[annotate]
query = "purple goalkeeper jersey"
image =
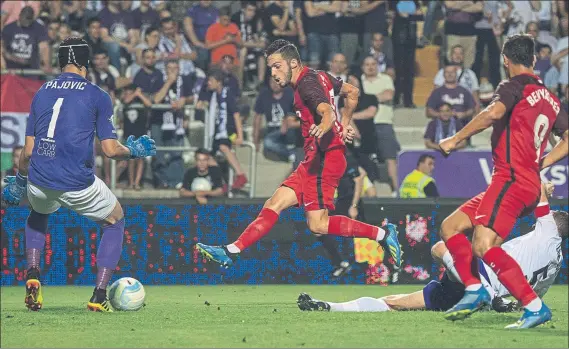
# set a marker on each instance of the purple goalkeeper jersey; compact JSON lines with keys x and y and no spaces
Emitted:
{"x":65,"y":116}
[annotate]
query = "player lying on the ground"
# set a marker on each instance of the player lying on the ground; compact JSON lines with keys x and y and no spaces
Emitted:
{"x":314,"y":182}
{"x":522,"y":114}
{"x":538,"y":253}
{"x":57,"y":167}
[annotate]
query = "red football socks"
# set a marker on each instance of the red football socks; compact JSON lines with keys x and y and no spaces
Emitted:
{"x":257,"y":229}
{"x":347,"y":227}
{"x":461,"y":251}
{"x":510,"y":274}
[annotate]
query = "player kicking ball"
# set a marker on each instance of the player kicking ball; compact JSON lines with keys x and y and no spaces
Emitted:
{"x":314,"y":182}
{"x":57,"y":167}
{"x":522,"y":113}
{"x":538,"y":253}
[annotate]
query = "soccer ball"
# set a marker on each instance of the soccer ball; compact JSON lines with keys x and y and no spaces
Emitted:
{"x":127,"y":294}
{"x":201,"y":184}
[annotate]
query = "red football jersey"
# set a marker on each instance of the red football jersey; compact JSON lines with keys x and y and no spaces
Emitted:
{"x":520,"y":137}
{"x":312,"y":88}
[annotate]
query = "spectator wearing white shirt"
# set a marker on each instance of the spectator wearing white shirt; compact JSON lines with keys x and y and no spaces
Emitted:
{"x":465,"y":77}
{"x":523,"y":12}
{"x":174,"y":45}
{"x":488,"y":30}
{"x":557,"y":74}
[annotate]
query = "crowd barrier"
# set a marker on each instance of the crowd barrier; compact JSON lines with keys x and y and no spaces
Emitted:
{"x":160,"y":235}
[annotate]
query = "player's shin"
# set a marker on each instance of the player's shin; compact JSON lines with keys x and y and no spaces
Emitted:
{"x":255,"y":231}
{"x":461,"y":250}
{"x":35,"y":230}
{"x":109,"y":253}
{"x":347,"y":227}
{"x":511,"y":276}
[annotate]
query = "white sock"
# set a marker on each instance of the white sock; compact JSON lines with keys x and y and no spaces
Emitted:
{"x":380,"y":235}
{"x":534,"y":305}
{"x":232,"y":248}
{"x":449,"y":265}
{"x":473,"y":287}
{"x":364,"y":304}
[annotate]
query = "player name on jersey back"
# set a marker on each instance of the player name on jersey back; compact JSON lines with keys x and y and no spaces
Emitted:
{"x":65,"y":85}
{"x":540,"y":94}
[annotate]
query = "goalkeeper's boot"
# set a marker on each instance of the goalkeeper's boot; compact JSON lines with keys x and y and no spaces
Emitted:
{"x":532,"y":319}
{"x":99,"y":302}
{"x":306,"y":303}
{"x":471,"y":302}
{"x":391,"y":244}
{"x":218,"y":254}
{"x":34,"y":298}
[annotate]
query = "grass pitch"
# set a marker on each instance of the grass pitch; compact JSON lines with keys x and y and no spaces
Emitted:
{"x":259,"y":316}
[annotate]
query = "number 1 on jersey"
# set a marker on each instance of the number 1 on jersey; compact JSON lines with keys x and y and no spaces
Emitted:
{"x":54,"y":116}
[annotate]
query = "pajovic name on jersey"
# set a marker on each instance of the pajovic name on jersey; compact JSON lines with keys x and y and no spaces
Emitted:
{"x":73,"y":85}
{"x":65,"y":116}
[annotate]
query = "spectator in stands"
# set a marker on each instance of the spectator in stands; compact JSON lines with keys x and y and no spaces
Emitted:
{"x":522,"y":12}
{"x":543,"y":62}
{"x":168,"y":130}
{"x":251,"y":58}
{"x":321,"y":31}
{"x":350,"y":23}
{"x":223,"y":37}
{"x":446,"y":125}
{"x":25,"y":43}
{"x":540,"y":37}
{"x":274,"y":103}
{"x":228,"y":129}
{"x":173,"y":46}
{"x":78,"y":15}
{"x":556,"y":77}
{"x":11,"y":10}
{"x":93,"y":38}
{"x":16,"y":152}
{"x":145,"y":17}
{"x":278,"y":22}
{"x":461,"y":100}
{"x":339,"y":69}
{"x":102,"y":74}
{"x":365,"y":148}
{"x":488,"y":30}
{"x":466,"y":77}
{"x":461,"y":17}
{"x":404,"y":45}
{"x":227,"y":67}
{"x":375,"y":15}
{"x":135,"y":123}
{"x":381,"y":86}
{"x":118,"y":32}
{"x":205,"y":170}
{"x":300,"y":19}
{"x":151,"y":40}
{"x":196,"y":23}
{"x":385,"y":64}
{"x":420,"y":183}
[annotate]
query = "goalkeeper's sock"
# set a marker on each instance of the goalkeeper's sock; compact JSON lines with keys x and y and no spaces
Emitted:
{"x":255,"y":231}
{"x":35,"y":230}
{"x":109,"y":252}
{"x":364,"y":304}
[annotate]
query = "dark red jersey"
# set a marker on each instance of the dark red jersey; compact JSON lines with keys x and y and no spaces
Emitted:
{"x":520,"y":137}
{"x":312,"y":88}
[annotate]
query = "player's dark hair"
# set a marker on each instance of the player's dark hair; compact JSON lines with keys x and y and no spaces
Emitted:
{"x":74,"y":50}
{"x":285,"y":48}
{"x":150,"y":30}
{"x":542,"y":46}
{"x":202,"y":151}
{"x":93,"y":20}
{"x":424,"y":158}
{"x":561,"y":220}
{"x":519,"y":49}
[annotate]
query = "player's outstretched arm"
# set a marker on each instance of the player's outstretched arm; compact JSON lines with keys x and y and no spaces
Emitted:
{"x":495,"y":111}
{"x":327,"y":119}
{"x":135,"y":148}
{"x":560,"y":151}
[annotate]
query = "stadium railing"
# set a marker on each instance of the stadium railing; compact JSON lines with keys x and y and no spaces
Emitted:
{"x":207,"y":142}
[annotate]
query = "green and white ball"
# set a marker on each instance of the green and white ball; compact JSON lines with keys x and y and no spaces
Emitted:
{"x":127,"y":294}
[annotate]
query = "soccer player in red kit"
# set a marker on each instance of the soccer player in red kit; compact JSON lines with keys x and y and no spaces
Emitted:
{"x":523,"y":113}
{"x":314,"y":182}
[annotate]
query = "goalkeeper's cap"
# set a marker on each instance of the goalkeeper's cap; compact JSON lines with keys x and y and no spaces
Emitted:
{"x":74,"y":50}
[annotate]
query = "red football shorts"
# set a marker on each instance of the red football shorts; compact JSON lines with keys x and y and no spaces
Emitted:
{"x":501,"y":205}
{"x":316,"y":179}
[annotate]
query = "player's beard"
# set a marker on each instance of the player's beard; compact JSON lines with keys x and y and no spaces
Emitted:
{"x":288,"y":76}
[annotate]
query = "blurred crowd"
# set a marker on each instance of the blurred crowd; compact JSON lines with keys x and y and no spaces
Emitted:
{"x":169,"y":55}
